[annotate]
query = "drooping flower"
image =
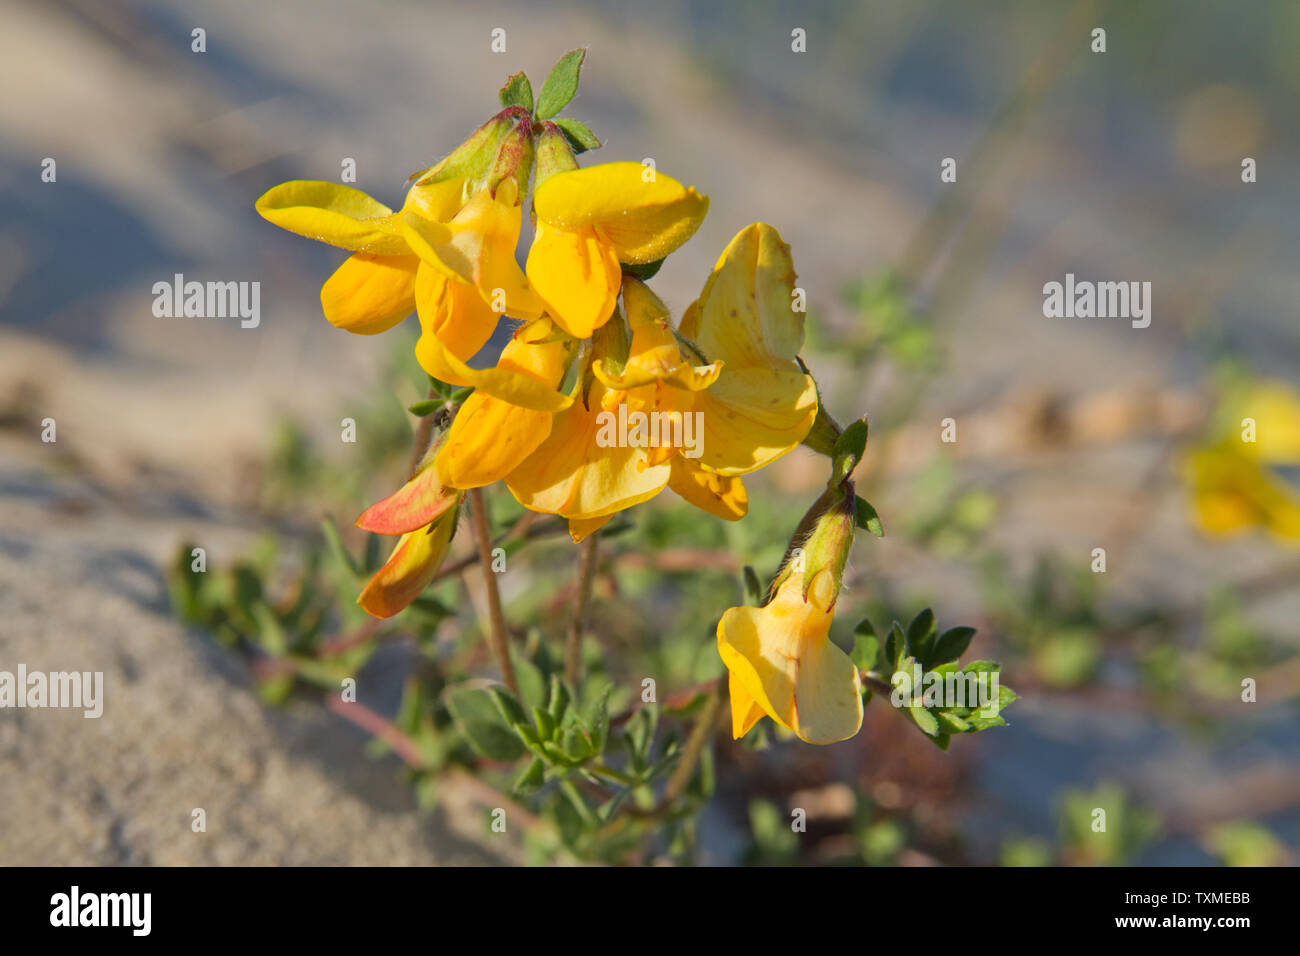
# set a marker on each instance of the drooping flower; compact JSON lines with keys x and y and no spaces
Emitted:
{"x":424,"y":513}
{"x":780,"y":659}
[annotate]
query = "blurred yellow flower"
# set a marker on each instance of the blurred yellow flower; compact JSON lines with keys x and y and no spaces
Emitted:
{"x":1232,"y":485}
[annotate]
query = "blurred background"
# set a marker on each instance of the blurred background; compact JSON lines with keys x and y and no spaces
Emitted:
{"x":926,"y":304}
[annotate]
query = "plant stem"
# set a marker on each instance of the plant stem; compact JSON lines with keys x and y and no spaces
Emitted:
{"x":496,"y":620}
{"x":423,"y":432}
{"x":573,"y":641}
{"x":701,"y":732}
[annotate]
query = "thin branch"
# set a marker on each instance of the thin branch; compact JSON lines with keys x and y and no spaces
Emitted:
{"x":496,"y":619}
{"x":573,"y":641}
{"x":701,"y":733}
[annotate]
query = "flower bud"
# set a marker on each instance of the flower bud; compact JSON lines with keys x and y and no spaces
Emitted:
{"x":473,"y":158}
{"x":554,"y":154}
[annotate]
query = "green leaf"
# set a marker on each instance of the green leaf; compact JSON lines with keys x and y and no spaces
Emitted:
{"x":951,"y":645}
{"x":560,"y":698}
{"x":848,"y":449}
{"x":950,"y":723}
{"x":894,"y":646}
{"x":643,"y":272}
{"x":546,"y":725}
{"x":337,"y":549}
{"x":517,"y":91}
{"x":920,"y":635}
{"x":925,"y":720}
{"x":597,"y":720}
{"x":531,"y":681}
{"x":508,"y":706}
{"x":867,"y":519}
{"x":579,"y":134}
{"x":561,"y":84}
{"x":753,"y":587}
{"x":479,"y":720}
{"x":426,"y":407}
{"x":866,"y":652}
{"x":531,"y":780}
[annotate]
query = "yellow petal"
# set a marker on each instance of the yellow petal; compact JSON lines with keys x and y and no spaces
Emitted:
{"x":642,"y":213}
{"x":745,"y":712}
{"x":744,"y":316}
{"x":752,"y":416}
{"x":438,"y":202}
{"x":654,"y":353}
{"x":333,"y":213}
{"x":409,"y":569}
{"x":719,"y":495}
{"x":570,"y":474}
{"x":503,"y":382}
{"x":783,"y":658}
{"x":577,"y":275}
{"x":419,"y":502}
{"x":579,"y":528}
{"x":369,"y":293}
{"x":478,"y":246}
{"x":490,"y":437}
{"x":455,"y":313}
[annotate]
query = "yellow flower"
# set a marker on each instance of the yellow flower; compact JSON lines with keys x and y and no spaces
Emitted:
{"x":782,"y":664}
{"x":1233,"y":491}
{"x":1232,"y":485}
{"x":591,"y":220}
{"x":753,"y":413}
{"x":374,"y":289}
{"x":410,"y":568}
{"x":763,"y":404}
{"x":592,"y":464}
{"x":449,"y":252}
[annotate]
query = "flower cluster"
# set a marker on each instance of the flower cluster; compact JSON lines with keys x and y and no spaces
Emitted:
{"x":592,"y":347}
